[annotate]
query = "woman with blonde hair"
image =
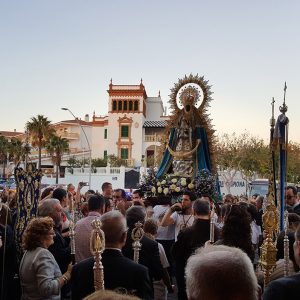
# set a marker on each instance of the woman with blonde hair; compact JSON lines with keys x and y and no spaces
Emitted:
{"x":40,"y":275}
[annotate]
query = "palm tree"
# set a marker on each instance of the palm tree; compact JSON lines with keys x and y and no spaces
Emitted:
{"x":56,"y":147}
{"x":3,"y":153}
{"x":17,"y":151}
{"x":40,"y":130}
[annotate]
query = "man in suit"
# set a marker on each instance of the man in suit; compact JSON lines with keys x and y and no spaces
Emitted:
{"x":120,"y":273}
{"x":190,"y":239}
{"x":149,"y":253}
{"x":286,"y":287}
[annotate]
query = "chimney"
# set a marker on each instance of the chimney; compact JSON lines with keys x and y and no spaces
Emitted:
{"x":86,"y":118}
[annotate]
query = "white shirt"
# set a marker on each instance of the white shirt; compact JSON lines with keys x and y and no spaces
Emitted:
{"x":181,"y":221}
{"x":167,"y":232}
{"x":255,"y":233}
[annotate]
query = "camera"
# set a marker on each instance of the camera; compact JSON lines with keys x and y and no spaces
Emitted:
{"x":83,"y":183}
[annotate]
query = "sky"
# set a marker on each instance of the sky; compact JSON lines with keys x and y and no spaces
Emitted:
{"x":63,"y":53}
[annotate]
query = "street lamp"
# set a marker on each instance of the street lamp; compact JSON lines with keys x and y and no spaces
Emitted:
{"x":87,"y":141}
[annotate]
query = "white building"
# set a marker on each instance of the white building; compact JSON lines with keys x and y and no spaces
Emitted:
{"x":131,"y":130}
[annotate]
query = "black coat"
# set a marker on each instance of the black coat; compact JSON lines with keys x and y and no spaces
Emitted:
{"x":188,"y":241}
{"x":61,"y":251}
{"x":119,"y":273}
{"x":148,"y":256}
{"x":283,"y":288}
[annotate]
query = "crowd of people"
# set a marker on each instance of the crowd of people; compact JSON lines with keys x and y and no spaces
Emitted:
{"x":191,"y":249}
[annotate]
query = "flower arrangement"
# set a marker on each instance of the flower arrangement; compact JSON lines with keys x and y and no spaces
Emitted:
{"x":204,"y":183}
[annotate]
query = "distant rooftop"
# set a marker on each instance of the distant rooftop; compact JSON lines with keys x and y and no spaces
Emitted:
{"x":10,"y":134}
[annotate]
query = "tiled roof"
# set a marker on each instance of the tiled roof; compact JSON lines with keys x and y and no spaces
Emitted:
{"x":155,"y":124}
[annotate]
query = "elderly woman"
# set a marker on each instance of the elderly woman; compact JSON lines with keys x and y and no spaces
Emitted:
{"x":40,"y":275}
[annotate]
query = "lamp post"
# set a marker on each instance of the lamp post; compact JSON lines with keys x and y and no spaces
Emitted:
{"x":87,"y":141}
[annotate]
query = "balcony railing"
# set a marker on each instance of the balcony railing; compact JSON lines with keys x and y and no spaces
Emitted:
{"x":153,"y":138}
{"x":69,"y":135}
{"x":129,"y":162}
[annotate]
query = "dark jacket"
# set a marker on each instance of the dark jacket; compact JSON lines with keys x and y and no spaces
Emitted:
{"x":119,"y":273}
{"x":61,"y":251}
{"x":296,"y":209}
{"x":191,"y":238}
{"x":188,"y":241}
{"x":283,"y":288}
{"x":148,"y":256}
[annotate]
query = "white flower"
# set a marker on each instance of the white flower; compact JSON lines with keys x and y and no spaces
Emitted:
{"x":183,"y":182}
{"x":166,"y":191}
{"x":163,"y":182}
{"x":172,"y":187}
{"x":158,"y":183}
{"x":159,"y":189}
{"x":177,"y":189}
{"x":174,"y":180}
{"x":153,"y":190}
{"x":190,"y":186}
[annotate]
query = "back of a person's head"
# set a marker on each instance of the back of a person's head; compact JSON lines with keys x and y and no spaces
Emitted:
{"x":109,"y":295}
{"x":236,"y":231}
{"x":201,"y":207}
{"x":114,"y":226}
{"x":252,"y":211}
{"x":96,"y":202}
{"x":46,"y":192}
{"x":294,"y":219}
{"x":135,"y":214}
{"x":150,"y":226}
{"x":220,"y":272}
{"x":47,"y":207}
{"x":59,"y":194}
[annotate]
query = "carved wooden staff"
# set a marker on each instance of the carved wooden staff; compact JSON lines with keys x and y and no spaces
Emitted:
{"x":97,"y":244}
{"x":136,"y":235}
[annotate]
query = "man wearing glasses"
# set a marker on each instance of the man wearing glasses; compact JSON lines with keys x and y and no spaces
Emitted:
{"x":291,"y":199}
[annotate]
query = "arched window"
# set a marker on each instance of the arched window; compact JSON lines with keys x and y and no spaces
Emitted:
{"x":136,"y":105}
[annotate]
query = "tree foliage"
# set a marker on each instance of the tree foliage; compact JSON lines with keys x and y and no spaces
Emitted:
{"x":251,"y":156}
{"x":4,"y":146}
{"x":40,"y":131}
{"x":57,"y":146}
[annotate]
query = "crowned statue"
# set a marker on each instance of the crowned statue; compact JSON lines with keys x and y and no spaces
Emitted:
{"x":190,"y":141}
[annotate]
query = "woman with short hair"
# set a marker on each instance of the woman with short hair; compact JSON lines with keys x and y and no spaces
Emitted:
{"x":40,"y":275}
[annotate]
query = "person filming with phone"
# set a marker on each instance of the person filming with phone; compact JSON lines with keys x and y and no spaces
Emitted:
{"x":180,"y":213}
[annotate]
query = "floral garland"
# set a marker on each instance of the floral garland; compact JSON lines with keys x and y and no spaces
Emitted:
{"x":169,"y":186}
